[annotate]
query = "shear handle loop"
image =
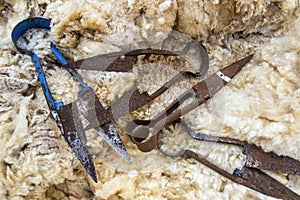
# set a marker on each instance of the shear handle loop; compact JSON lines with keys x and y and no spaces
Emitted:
{"x":18,"y":31}
{"x":26,"y":25}
{"x":42,"y":23}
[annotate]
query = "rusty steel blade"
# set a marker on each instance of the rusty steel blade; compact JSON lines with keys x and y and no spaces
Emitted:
{"x":202,"y":91}
{"x":257,"y":158}
{"x":73,"y":133}
{"x":251,"y":178}
{"x":88,"y":105}
{"x":116,"y":62}
{"x":130,"y":101}
{"x":263,"y":183}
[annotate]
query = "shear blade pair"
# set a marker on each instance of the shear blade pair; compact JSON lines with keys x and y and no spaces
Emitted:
{"x":67,"y":116}
{"x":140,"y":130}
{"x":249,"y":175}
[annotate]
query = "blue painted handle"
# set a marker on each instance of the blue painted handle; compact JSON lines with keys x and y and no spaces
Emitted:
{"x":38,"y":22}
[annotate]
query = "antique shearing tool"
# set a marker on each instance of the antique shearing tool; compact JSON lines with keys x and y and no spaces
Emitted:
{"x":249,"y":175}
{"x":202,"y":91}
{"x":67,"y":116}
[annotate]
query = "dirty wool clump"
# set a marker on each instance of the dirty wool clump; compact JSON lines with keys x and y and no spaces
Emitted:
{"x":260,"y":105}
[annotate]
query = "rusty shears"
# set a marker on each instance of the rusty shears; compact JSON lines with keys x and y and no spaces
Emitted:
{"x":251,"y":174}
{"x":67,"y":116}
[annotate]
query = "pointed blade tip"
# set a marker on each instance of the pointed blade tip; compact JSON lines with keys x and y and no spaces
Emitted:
{"x":250,"y":57}
{"x":115,"y":142}
{"x":245,"y":60}
{"x":94,"y":178}
{"x":90,"y":169}
{"x":92,"y":174}
{"x":122,"y":152}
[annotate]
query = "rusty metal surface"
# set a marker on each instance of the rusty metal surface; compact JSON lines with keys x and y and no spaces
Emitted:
{"x":234,"y":68}
{"x":250,"y":174}
{"x":117,"y":61}
{"x":89,"y":105}
{"x":257,"y":158}
{"x":99,"y":63}
{"x":263,"y":183}
{"x":123,"y":62}
{"x":251,"y":178}
{"x":75,"y":137}
{"x":203,"y":91}
{"x":130,"y":101}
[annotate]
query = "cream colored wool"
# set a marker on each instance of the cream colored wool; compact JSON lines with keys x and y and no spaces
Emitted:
{"x":260,"y":105}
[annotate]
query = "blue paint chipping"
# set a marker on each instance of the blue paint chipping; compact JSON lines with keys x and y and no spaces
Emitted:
{"x":41,"y":23}
{"x":80,"y":149}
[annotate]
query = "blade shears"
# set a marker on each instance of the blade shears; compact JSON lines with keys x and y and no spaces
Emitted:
{"x":67,"y":117}
{"x":180,"y":141}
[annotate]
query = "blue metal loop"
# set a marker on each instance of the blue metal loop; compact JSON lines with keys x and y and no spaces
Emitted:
{"x":41,"y":23}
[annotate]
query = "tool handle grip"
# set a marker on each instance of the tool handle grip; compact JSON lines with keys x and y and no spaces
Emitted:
{"x":41,"y":23}
{"x":251,"y":178}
